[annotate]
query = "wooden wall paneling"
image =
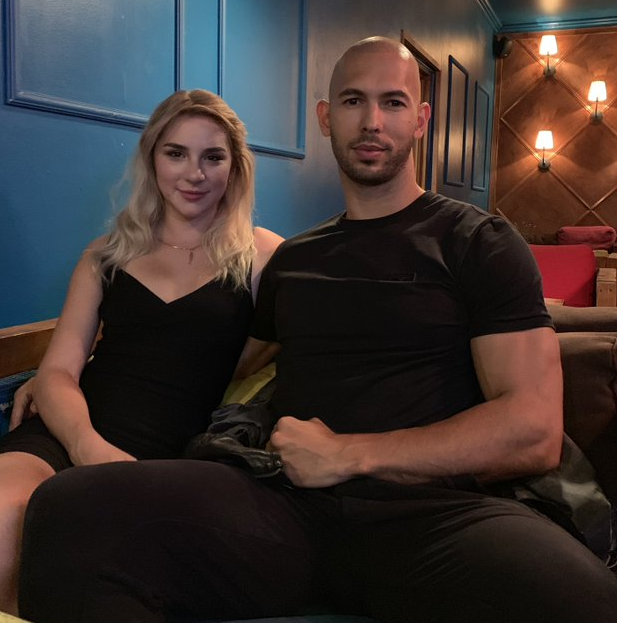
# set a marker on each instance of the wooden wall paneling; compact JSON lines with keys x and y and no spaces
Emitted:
{"x":456,"y":124}
{"x":580,"y":188}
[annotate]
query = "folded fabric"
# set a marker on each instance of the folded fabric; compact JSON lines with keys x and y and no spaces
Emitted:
{"x":208,"y":447}
{"x":571,"y":497}
{"x":595,"y":236}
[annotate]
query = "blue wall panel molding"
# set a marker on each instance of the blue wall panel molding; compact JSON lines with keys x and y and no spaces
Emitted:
{"x":490,"y":14}
{"x":95,"y":60}
{"x":479,"y":150}
{"x":456,"y":124}
{"x":562,"y":24}
{"x":199,"y":45}
{"x":263,"y":71}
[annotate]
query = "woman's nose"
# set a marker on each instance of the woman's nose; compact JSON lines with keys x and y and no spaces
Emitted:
{"x":195,"y":173}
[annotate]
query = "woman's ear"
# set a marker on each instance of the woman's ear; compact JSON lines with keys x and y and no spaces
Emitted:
{"x":323,"y":115}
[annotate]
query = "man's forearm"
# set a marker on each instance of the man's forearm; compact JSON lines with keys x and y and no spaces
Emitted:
{"x":492,"y":441}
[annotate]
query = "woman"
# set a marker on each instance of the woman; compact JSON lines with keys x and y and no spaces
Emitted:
{"x":172,"y":287}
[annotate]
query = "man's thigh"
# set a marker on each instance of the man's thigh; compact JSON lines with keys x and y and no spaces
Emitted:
{"x":468,"y":558}
{"x":153,"y":536}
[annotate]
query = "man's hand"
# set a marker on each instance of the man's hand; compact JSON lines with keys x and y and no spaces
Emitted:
{"x":91,"y":449}
{"x":312,"y":454}
{"x":23,"y":404}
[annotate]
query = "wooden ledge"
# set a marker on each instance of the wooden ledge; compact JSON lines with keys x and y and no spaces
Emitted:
{"x":22,"y":346}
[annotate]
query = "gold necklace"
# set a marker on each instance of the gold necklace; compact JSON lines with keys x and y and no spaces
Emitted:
{"x":180,"y":248}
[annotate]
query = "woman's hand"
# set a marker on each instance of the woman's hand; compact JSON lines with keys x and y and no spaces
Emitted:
{"x":24,"y":406}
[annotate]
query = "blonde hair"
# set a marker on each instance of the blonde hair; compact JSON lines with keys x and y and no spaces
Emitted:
{"x":228,"y":243}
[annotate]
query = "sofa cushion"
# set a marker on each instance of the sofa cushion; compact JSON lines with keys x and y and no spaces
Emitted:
{"x":568,"y":272}
{"x":596,"y":236}
{"x":583,"y":318}
{"x":589,"y":362}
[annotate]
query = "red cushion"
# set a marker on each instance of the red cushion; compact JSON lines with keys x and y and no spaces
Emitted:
{"x":568,"y":272}
{"x":596,"y":236}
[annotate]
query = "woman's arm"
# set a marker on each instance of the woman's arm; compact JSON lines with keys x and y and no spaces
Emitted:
{"x":266,"y":243}
{"x":56,"y":391}
{"x":256,"y":353}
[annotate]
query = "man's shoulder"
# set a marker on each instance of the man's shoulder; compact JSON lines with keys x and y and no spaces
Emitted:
{"x":457,"y":209}
{"x":330,"y":225}
{"x":454,"y":219}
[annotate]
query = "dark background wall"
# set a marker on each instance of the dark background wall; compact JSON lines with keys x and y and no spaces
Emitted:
{"x":79,"y":78}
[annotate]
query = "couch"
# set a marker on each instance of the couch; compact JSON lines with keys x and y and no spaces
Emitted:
{"x":588,"y":342}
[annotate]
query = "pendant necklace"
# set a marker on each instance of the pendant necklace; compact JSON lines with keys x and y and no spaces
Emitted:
{"x":177,"y":246}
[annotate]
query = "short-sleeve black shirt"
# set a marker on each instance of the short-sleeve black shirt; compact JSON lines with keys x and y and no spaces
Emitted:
{"x":375,"y":316}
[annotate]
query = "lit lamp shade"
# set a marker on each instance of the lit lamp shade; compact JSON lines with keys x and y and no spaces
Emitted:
{"x":597,"y":91}
{"x":544,"y":139}
{"x":548,"y":45}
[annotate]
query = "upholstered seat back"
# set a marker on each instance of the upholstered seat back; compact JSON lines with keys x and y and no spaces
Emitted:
{"x":568,"y":273}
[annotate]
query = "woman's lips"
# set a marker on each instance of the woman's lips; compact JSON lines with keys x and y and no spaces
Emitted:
{"x":192,"y":195}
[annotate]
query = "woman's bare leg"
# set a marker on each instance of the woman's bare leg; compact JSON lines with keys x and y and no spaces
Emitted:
{"x":20,"y":475}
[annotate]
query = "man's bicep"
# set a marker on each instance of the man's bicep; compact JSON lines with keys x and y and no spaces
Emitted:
{"x":519,"y":362}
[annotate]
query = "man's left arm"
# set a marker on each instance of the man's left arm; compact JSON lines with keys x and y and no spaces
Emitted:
{"x":516,"y":432}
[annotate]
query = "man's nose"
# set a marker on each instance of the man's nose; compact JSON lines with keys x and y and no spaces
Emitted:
{"x":372,"y":119}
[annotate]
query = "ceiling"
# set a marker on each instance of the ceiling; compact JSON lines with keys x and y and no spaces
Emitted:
{"x":526,"y":15}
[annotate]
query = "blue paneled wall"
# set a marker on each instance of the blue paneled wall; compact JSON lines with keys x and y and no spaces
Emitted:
{"x":79,"y":78}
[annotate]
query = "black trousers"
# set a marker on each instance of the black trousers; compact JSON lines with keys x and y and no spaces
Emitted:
{"x":148,"y":541}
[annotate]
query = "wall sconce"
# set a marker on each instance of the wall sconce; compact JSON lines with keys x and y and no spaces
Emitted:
{"x":597,"y":93}
{"x":544,"y":141}
{"x":548,"y":47}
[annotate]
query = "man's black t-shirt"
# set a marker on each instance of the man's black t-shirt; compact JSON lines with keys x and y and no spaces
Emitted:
{"x":375,"y":316}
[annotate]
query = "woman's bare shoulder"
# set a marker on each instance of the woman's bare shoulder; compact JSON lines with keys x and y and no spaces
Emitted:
{"x":266,"y":241}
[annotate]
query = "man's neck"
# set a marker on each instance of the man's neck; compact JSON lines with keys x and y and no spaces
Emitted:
{"x":367,"y":202}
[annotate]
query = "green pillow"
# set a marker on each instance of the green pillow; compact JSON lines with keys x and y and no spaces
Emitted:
{"x":7,"y":618}
{"x":242,"y":390}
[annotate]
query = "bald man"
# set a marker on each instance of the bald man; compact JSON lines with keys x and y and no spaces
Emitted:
{"x":418,"y":372}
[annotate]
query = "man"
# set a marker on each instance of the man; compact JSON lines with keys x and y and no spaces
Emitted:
{"x":418,"y":366}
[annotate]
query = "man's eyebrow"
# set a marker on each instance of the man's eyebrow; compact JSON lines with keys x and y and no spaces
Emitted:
{"x":395,"y":93}
{"x":350,"y":91}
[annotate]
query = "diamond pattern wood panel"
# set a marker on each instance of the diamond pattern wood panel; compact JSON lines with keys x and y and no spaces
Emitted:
{"x":580,"y":188}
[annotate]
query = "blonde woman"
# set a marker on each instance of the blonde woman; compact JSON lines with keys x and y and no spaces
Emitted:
{"x":172,"y":285}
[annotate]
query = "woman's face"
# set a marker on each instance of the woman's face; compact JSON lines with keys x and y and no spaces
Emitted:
{"x":192,"y":162}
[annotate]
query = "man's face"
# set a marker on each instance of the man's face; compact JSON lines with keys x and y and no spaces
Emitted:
{"x":373,"y":117}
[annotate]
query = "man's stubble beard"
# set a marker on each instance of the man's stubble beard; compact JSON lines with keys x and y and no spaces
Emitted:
{"x":362,"y":174}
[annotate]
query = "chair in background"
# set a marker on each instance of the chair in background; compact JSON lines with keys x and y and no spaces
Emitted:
{"x":570,"y":275}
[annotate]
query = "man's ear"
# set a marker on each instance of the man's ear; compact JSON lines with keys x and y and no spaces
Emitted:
{"x":323,"y":115}
{"x":424,"y":114}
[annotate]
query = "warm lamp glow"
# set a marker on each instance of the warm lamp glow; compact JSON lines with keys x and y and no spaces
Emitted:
{"x":544,"y":140}
{"x":548,"y":45}
{"x":597,"y":93}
